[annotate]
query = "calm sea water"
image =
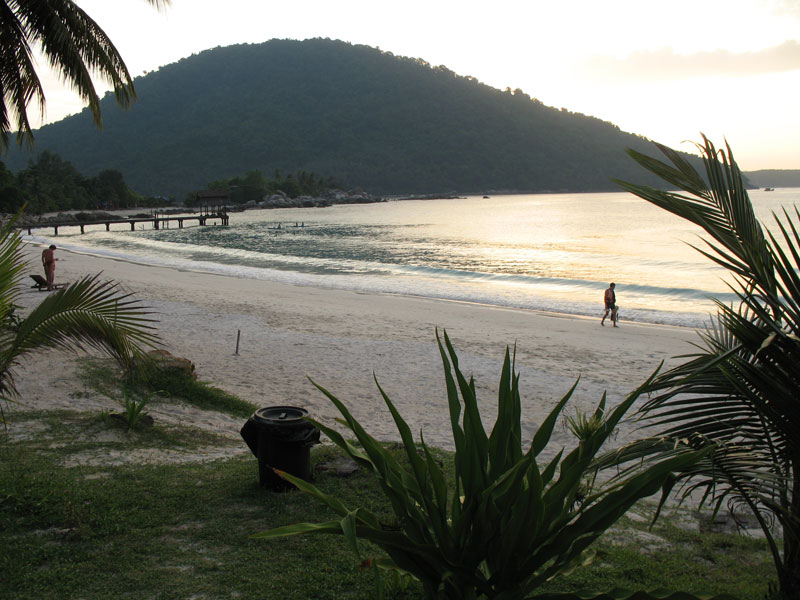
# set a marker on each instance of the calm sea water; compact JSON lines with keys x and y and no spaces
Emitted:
{"x":544,"y":252}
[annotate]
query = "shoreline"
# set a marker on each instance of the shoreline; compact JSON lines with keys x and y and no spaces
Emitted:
{"x":538,"y":301}
{"x":339,"y":338}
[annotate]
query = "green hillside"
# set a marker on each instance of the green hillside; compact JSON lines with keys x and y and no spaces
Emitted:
{"x":388,"y":124}
{"x":775,"y":178}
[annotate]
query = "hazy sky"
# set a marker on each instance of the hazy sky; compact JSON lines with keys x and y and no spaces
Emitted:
{"x":667,"y":70}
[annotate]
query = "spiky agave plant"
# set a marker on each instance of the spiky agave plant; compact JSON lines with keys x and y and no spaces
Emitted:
{"x":510,"y":524}
{"x":739,"y":394}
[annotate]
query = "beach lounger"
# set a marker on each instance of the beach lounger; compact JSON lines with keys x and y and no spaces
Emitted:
{"x":41,"y":283}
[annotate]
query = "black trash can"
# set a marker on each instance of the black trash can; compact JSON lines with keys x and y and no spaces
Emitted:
{"x":280,"y":438}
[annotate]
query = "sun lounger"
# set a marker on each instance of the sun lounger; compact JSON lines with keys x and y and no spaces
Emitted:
{"x":41,"y":283}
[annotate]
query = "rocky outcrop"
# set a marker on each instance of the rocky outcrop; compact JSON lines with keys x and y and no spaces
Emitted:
{"x":357,"y":196}
{"x":164,"y":361}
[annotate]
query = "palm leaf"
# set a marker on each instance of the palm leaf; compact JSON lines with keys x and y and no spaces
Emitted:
{"x":87,"y":314}
{"x":739,"y":395}
{"x":72,"y":43}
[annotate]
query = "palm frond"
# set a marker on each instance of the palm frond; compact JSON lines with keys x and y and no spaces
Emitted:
{"x":73,"y":44}
{"x":18,"y":78}
{"x":740,"y":393}
{"x":11,"y":267}
{"x":90,"y":313}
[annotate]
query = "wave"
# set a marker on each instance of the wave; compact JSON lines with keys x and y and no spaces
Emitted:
{"x":549,"y":294}
{"x":558,"y":258}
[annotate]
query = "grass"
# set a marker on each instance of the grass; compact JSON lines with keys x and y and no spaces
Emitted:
{"x":182,"y":530}
{"x":100,"y":375}
{"x":162,"y":531}
{"x":62,"y":433}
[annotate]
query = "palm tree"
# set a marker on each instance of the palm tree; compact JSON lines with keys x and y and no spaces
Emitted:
{"x":739,"y":393}
{"x":88,"y":313}
{"x":71,"y":42}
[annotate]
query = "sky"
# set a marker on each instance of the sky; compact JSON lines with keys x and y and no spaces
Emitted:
{"x":668,"y":71}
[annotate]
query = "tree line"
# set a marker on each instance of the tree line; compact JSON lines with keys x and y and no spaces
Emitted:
{"x":52,"y":184}
{"x":253,"y":186}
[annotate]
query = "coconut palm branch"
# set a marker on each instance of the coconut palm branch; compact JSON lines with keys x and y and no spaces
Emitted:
{"x":71,"y":42}
{"x":88,"y":314}
{"x":740,"y":391}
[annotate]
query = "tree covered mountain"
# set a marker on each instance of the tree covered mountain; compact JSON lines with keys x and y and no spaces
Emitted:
{"x":388,"y":124}
{"x":775,"y":177}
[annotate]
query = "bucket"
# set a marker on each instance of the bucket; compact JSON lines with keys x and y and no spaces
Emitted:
{"x":280,"y":438}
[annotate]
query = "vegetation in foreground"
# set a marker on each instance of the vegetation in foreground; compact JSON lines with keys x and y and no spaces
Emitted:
{"x":177,"y":531}
{"x":510,"y":520}
{"x":737,"y":394}
{"x":184,"y":530}
{"x":89,"y":313}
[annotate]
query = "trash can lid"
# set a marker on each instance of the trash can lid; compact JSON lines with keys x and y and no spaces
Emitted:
{"x":276,"y":415}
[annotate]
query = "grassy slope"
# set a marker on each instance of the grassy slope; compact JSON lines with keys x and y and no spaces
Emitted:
{"x":180,"y":531}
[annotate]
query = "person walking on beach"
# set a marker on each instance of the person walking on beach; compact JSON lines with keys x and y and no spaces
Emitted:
{"x":610,"y":299}
{"x":49,"y":263}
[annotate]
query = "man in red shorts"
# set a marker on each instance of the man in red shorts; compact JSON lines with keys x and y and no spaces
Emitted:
{"x":611,"y":305}
{"x":49,"y":263}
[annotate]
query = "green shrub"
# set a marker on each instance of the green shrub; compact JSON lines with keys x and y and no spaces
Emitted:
{"x":508,"y":526}
{"x":180,"y":384}
{"x":134,"y":405}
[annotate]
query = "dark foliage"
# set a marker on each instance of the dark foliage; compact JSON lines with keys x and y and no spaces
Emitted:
{"x":52,"y":184}
{"x":737,"y":395}
{"x":386,"y":123}
{"x":253,"y":186}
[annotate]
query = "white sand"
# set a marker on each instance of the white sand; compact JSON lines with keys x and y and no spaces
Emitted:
{"x":339,"y":338}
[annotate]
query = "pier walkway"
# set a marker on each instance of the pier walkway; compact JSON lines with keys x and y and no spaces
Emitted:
{"x":158,"y":221}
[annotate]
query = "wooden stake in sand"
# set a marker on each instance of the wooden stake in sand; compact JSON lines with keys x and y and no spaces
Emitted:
{"x":238,"y":335}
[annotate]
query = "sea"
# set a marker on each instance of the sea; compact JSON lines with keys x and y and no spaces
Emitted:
{"x":542,"y":252}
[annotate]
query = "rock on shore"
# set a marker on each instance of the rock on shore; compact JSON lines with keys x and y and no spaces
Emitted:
{"x":357,"y":196}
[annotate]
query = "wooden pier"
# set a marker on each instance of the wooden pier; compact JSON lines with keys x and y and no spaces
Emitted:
{"x":206,"y":217}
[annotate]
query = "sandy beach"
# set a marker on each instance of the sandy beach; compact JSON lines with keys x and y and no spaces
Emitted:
{"x":340,"y":338}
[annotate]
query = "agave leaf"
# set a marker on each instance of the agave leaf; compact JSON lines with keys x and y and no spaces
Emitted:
{"x":438,"y":503}
{"x":348,"y":526}
{"x":522,"y":519}
{"x":364,"y":523}
{"x":545,"y":430}
{"x":623,"y":495}
{"x":505,"y":441}
{"x":550,"y":469}
{"x":397,"y":484}
{"x":337,"y":506}
{"x":352,"y":450}
{"x":299,"y":529}
{"x":453,"y":402}
{"x":417,"y":464}
{"x":472,"y":469}
{"x":392,"y":476}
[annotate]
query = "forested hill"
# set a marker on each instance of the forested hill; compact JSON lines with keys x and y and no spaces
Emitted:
{"x":388,"y":124}
{"x":775,"y":177}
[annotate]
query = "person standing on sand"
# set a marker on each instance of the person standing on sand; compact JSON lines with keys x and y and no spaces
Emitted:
{"x":610,"y":299}
{"x":49,"y":262}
